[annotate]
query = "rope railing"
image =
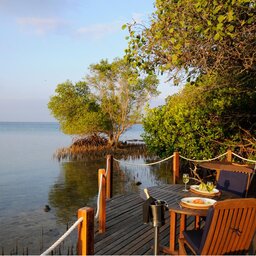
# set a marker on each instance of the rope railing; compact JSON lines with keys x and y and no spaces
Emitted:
{"x":63,"y":237}
{"x":98,"y":197}
{"x":149,"y":164}
{"x":163,"y":160}
{"x":245,"y":159}
{"x":185,"y":158}
{"x":204,"y":160}
{"x":99,"y":191}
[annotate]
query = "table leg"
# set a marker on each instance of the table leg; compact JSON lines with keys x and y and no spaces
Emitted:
{"x":173,"y":224}
{"x":182,"y":224}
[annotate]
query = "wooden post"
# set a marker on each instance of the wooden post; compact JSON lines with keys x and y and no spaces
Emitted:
{"x":229,"y":155}
{"x":85,"y":244}
{"x":109,"y":177}
{"x":176,"y":166}
{"x":102,"y":205}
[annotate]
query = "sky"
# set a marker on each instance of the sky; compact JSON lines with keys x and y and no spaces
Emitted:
{"x":46,"y":42}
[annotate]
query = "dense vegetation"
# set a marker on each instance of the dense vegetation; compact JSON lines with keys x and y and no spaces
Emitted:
{"x":208,"y":47}
{"x":108,"y":102}
{"x":203,"y":123}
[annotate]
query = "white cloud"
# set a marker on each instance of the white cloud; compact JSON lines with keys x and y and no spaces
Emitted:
{"x":44,"y":26}
{"x":97,"y":31}
{"x":40,"y":26}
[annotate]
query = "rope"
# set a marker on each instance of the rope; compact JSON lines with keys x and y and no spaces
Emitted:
{"x":158,"y":162}
{"x":200,"y":161}
{"x":188,"y":159}
{"x":64,"y":236}
{"x":98,"y":199}
{"x":107,"y":167}
{"x":248,"y":160}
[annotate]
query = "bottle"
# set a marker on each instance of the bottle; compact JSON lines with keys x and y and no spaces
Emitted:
{"x":146,"y":193}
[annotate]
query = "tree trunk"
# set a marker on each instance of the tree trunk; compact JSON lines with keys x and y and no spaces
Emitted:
{"x":111,"y":140}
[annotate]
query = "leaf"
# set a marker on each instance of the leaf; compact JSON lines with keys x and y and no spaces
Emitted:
{"x":220,"y":26}
{"x":230,"y":15}
{"x":171,"y":30}
{"x":209,"y":23}
{"x":221,"y":18}
{"x":230,"y":28}
{"x":250,"y":20}
{"x":217,"y":9}
{"x":216,"y":37}
{"x":124,"y":27}
{"x":198,"y":28}
{"x":174,"y":58}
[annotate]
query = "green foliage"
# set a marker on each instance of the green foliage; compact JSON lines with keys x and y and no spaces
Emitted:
{"x":196,"y":35}
{"x":109,"y":101}
{"x":202,"y":123}
{"x":76,"y":109}
{"x":212,"y":44}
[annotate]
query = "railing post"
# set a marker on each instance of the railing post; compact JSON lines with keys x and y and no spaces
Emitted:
{"x":229,"y":155}
{"x":109,"y":177}
{"x":176,"y":166}
{"x":85,"y":245}
{"x":102,"y":204}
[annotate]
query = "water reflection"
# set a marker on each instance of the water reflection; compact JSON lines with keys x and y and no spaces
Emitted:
{"x":77,"y":184}
{"x":75,"y":188}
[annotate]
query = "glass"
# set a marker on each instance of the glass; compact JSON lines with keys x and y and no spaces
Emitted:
{"x":185,"y":179}
{"x":210,"y":186}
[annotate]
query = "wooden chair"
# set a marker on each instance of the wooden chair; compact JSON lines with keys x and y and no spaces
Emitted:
{"x":229,"y":229}
{"x":225,"y":172}
{"x":235,"y":182}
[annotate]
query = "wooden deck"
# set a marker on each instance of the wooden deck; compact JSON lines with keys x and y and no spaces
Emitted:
{"x":126,"y":234}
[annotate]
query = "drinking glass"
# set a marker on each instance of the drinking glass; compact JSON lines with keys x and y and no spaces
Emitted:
{"x":185,"y":179}
{"x":210,"y":186}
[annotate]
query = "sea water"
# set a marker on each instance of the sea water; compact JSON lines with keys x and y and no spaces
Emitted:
{"x":31,"y":178}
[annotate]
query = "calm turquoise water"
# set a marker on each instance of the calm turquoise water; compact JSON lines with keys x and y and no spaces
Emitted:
{"x":32,"y":178}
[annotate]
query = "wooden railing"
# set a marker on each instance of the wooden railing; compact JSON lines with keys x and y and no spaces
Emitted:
{"x":85,"y":243}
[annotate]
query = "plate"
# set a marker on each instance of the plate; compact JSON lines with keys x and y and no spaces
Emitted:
{"x":195,"y":188}
{"x":188,"y":202}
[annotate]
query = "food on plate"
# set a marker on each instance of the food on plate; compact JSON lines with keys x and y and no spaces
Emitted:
{"x":206,"y":187}
{"x":198,"y":201}
{"x":202,"y":187}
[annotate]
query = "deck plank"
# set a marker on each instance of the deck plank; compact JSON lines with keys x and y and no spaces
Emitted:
{"x":126,"y":233}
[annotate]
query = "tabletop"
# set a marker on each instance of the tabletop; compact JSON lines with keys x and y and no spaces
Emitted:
{"x":223,"y":195}
{"x":221,"y":165}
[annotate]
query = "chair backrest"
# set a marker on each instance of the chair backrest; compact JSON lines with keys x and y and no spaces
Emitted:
{"x":231,"y":227}
{"x":235,"y":182}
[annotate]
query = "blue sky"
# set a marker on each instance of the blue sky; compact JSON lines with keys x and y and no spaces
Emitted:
{"x":45,"y":42}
